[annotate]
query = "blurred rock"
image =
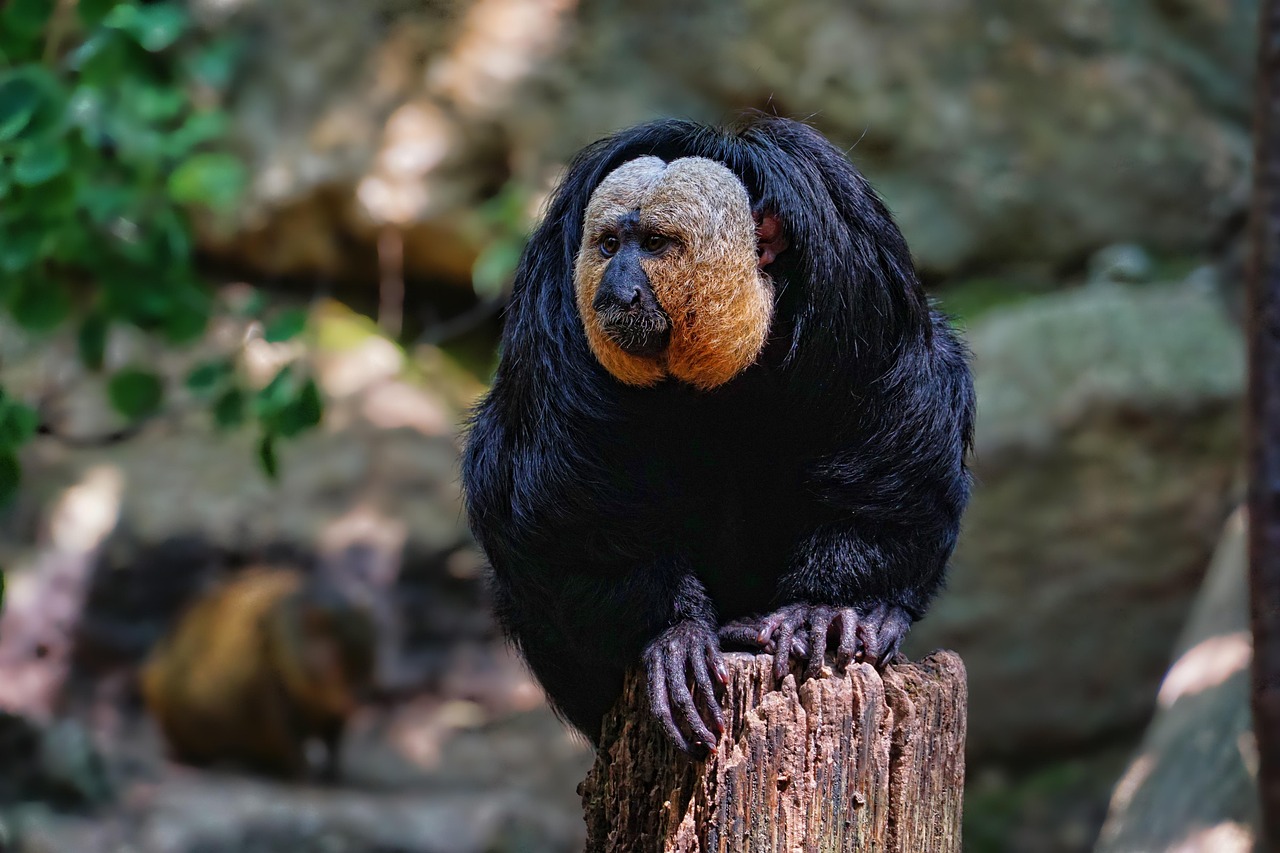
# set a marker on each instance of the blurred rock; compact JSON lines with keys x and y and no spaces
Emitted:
{"x":1055,"y":806}
{"x":1122,"y":263}
{"x":1192,"y":787}
{"x":456,"y":750}
{"x":1000,"y":131}
{"x":379,"y":473}
{"x":55,"y":764}
{"x":1108,"y":437}
{"x":507,"y":786}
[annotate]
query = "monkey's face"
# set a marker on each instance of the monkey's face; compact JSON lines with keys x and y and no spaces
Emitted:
{"x":668,"y":278}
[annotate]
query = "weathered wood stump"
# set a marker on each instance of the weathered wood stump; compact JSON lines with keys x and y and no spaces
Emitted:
{"x":846,"y":762}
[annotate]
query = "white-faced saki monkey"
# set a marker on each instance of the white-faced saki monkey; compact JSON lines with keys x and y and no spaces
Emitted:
{"x":724,"y":413}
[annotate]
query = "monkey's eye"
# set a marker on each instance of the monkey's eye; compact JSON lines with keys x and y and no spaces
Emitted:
{"x":654,"y":243}
{"x":608,"y":246}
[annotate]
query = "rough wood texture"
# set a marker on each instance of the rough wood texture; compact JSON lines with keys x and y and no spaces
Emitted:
{"x":840,"y":763}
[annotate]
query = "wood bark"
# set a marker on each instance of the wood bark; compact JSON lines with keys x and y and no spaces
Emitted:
{"x":854,"y":761}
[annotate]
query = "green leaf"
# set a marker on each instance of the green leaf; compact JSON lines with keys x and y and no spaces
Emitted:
{"x":20,"y":248}
{"x":187,"y":311}
{"x":214,"y":180}
{"x":147,"y":305}
{"x":155,"y":26}
{"x":72,"y":244}
{"x":198,"y":129}
{"x":56,"y":201}
{"x":135,"y":393}
{"x":32,"y":102}
{"x":19,"y":100}
{"x":301,"y":413}
{"x":18,"y":423}
{"x":40,"y":162}
{"x":205,"y":378}
{"x":27,"y":17}
{"x":91,"y":340}
{"x":102,"y":59}
{"x":153,"y":103}
{"x":267,"y":456}
{"x":184,"y":324}
{"x":229,"y":411}
{"x":269,"y":401}
{"x":286,"y":325}
{"x":86,"y":108}
{"x":216,"y":63}
{"x":93,"y":11}
{"x":40,"y":306}
{"x":104,"y":202}
{"x":10,"y":477}
{"x":177,"y":235}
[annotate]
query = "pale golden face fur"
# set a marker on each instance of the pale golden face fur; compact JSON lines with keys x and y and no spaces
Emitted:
{"x":708,"y":280}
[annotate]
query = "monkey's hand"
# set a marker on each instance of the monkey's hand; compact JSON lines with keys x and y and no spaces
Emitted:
{"x":687,"y":651}
{"x":805,"y":631}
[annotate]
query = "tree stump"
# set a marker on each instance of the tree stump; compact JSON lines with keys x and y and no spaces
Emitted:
{"x":857,"y":761}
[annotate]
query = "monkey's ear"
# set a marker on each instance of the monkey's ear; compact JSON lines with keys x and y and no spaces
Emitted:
{"x":771,"y":240}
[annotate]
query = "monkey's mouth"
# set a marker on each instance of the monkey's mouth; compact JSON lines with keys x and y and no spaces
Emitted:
{"x":643,"y":333}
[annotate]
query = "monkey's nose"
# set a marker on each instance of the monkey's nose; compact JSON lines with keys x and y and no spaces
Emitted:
{"x":628,"y":298}
{"x":633,"y":320}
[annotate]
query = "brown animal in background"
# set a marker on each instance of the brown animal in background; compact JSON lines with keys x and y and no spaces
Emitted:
{"x":257,"y":669}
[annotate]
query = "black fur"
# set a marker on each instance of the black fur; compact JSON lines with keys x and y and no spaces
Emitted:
{"x":831,"y":472}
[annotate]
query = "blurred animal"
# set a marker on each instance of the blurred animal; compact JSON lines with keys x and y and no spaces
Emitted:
{"x":258,"y":668}
{"x":724,"y":412}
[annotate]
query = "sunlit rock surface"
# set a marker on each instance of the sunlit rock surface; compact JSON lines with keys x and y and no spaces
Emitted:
{"x":1000,"y":132}
{"x":1109,"y":437}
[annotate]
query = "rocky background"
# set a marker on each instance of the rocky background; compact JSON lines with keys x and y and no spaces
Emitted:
{"x":1071,"y":176}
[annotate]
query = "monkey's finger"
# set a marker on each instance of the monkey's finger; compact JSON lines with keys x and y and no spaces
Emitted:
{"x":890,"y":627}
{"x":660,"y":705}
{"x":800,"y":645}
{"x":847,"y":645}
{"x":891,"y":651}
{"x":771,"y":623}
{"x":707,"y":690}
{"x":715,"y":660}
{"x":874,"y":637}
{"x":819,"y":624}
{"x":678,"y":687}
{"x":742,"y":634}
{"x":782,"y":657}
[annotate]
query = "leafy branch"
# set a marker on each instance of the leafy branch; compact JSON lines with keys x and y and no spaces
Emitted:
{"x":110,"y":137}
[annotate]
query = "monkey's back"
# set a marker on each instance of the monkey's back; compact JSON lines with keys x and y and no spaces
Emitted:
{"x":215,"y":686}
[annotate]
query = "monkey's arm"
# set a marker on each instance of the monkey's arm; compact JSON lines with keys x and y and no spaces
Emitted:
{"x":883,"y":522}
{"x":581,"y":626}
{"x":856,"y":592}
{"x":583,"y":585}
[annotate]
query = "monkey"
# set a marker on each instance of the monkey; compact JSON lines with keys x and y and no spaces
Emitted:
{"x":256,"y":669}
{"x":725,"y":416}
